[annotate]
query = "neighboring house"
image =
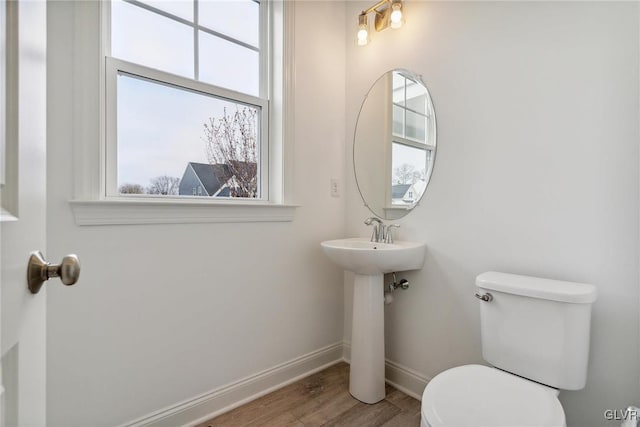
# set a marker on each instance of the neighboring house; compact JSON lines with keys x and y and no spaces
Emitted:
{"x":407,"y":194}
{"x":202,"y":179}
{"x":398,"y":192}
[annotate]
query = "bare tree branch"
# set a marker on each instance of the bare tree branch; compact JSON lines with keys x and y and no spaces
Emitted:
{"x":131,"y":189}
{"x":165,"y":185}
{"x":407,"y":174}
{"x":403,"y":174}
{"x":233,"y":141}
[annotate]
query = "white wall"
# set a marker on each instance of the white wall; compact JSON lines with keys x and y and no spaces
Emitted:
{"x":163,"y":313}
{"x":536,"y":173}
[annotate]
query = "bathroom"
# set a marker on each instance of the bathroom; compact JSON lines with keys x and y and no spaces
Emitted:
{"x":537,"y":173}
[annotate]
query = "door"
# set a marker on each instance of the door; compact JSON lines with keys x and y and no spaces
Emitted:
{"x":23,"y":225}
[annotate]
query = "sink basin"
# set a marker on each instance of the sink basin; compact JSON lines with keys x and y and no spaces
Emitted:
{"x":361,"y":256}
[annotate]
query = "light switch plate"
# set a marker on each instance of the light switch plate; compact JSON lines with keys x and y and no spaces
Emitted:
{"x":335,"y":188}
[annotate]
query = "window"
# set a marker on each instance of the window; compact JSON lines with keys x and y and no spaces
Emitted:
{"x":413,"y":139}
{"x":187,"y":99}
{"x":147,"y":66}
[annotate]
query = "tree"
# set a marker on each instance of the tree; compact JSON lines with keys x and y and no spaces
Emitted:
{"x":233,"y":141}
{"x":419,"y":175}
{"x":407,"y":174}
{"x":131,"y":189}
{"x":165,"y":185}
{"x":404,"y":174}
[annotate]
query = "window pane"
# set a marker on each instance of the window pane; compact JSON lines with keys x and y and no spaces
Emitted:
{"x":416,"y":127}
{"x":229,"y":65}
{"x":398,"y":121}
{"x":239,"y":19}
{"x":408,"y":172}
{"x":173,"y":141}
{"x":149,"y":39}
{"x":417,"y":102}
{"x":181,"y":8}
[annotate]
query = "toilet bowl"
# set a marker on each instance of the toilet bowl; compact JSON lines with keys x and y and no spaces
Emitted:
{"x":534,"y":331}
{"x":476,"y":396}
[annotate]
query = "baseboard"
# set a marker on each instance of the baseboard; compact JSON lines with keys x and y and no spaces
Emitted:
{"x":404,"y":379}
{"x":225,"y":398}
{"x":346,"y":351}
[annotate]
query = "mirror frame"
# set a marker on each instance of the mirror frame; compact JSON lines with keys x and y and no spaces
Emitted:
{"x":397,"y":212}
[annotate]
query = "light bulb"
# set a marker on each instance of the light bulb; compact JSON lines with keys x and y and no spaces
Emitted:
{"x":396,"y":15}
{"x":363,"y":36}
{"x":363,"y":30}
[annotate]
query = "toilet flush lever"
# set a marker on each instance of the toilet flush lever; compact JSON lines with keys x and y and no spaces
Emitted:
{"x":486,"y":297}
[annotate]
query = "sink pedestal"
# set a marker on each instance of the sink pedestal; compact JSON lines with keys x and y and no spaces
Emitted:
{"x":366,"y":376}
{"x":370,"y":261}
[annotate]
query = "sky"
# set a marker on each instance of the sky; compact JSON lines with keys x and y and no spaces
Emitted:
{"x":403,"y":154}
{"x":161,"y":129}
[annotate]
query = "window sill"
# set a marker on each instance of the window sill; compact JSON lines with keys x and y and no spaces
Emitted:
{"x":122,"y":212}
{"x":398,"y":211}
{"x":6,"y":216}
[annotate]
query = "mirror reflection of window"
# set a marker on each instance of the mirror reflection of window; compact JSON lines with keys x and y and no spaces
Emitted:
{"x":394,"y":144}
{"x":412,"y":146}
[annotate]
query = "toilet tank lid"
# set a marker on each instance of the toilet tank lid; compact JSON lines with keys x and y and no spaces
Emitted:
{"x":535,"y":287}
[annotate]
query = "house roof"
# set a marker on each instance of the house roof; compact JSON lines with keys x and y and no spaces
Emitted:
{"x":212,"y":177}
{"x":399,"y":190}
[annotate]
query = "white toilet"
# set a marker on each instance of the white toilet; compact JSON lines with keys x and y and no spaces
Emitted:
{"x":535,"y":332}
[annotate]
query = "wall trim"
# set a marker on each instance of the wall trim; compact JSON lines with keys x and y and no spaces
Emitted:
{"x":120,"y":212}
{"x":223,"y":399}
{"x":405,"y":379}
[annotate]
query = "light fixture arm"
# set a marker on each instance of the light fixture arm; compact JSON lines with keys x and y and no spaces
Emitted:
{"x":384,"y":18}
{"x":375,"y":7}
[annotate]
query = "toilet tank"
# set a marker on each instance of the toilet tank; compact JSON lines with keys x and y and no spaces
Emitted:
{"x":537,"y":328}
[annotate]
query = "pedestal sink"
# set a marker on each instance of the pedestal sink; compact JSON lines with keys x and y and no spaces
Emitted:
{"x":370,"y":261}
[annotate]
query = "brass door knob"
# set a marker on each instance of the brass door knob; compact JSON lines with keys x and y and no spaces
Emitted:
{"x":39,"y":271}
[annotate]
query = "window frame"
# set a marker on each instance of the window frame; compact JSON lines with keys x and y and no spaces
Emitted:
{"x":90,"y":203}
{"x":115,"y":66}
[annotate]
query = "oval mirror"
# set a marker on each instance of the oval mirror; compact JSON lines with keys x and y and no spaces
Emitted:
{"x":394,"y":144}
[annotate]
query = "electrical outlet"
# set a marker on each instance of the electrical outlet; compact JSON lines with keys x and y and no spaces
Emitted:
{"x":335,"y":188}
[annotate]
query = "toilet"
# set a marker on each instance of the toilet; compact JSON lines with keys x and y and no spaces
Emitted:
{"x":535,"y":334}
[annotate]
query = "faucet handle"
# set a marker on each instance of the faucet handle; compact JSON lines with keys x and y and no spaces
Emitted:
{"x":389,"y":235}
{"x":372,"y":220}
{"x":378,"y":228}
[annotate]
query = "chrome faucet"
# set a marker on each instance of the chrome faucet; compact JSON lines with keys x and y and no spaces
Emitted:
{"x":378,"y":234}
{"x":388,"y":238}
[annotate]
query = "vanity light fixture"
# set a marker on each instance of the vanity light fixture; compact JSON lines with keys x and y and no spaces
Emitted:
{"x":388,"y":13}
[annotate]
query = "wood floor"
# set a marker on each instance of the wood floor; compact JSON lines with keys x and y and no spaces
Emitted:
{"x":322,"y":399}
